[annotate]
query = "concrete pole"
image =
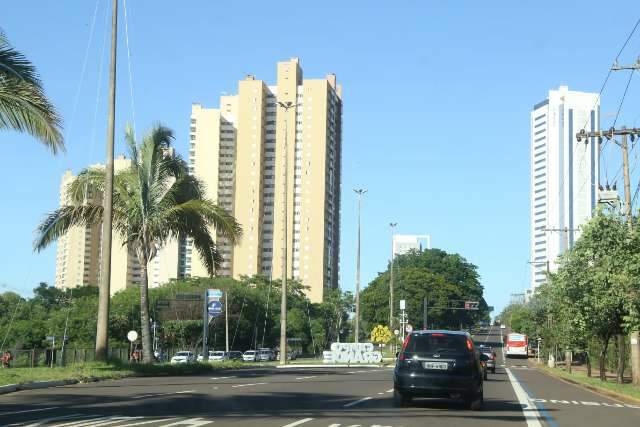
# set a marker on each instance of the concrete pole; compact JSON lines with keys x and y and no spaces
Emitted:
{"x":102,"y":327}
{"x":360,"y":192}
{"x":634,"y":344}
{"x":391,"y":299}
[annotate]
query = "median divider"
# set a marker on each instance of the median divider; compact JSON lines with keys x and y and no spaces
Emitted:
{"x":35,"y":385}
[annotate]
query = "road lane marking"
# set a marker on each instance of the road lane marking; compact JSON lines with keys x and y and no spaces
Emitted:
{"x":247,"y":385}
{"x":223,"y":378}
{"x":28,"y":410}
{"x":584,"y":403}
{"x":141,"y":423}
{"x":390,"y":390}
{"x":191,"y":422}
{"x":99,"y":421}
{"x":306,"y":378}
{"x":529,"y":409}
{"x":297,"y":423}
{"x":364,"y":399}
{"x":162,"y":394}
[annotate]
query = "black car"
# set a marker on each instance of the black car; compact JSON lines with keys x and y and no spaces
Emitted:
{"x":439,"y":364}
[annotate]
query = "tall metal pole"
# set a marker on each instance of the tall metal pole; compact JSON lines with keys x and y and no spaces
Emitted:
{"x":285,"y":239}
{"x":205,"y":327}
{"x":360,"y":192}
{"x":627,"y":181}
{"x":392,"y":225}
{"x":102,"y":329}
{"x":226,"y":321}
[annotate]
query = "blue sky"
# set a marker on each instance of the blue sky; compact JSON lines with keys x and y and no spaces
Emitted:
{"x":437,"y":96}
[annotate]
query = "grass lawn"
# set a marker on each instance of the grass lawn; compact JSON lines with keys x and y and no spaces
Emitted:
{"x":628,"y":390}
{"x":98,"y":370}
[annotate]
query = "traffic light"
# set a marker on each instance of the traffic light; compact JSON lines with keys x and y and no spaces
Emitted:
{"x":471,"y":305}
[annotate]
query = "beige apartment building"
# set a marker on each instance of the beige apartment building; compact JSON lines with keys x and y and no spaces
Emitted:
{"x":239,"y":151}
{"x":78,"y":252}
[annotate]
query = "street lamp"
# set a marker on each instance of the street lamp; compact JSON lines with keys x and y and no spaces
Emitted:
{"x":283,"y":302}
{"x":360,"y":192}
{"x":392,"y":225}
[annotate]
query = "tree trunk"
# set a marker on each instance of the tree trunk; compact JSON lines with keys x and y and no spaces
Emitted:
{"x":621,"y":359}
{"x":588,"y":365}
{"x":147,"y":346}
{"x":602,"y":361}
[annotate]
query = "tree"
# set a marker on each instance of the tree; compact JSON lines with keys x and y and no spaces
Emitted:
{"x":381,"y":334}
{"x":154,"y":200}
{"x":445,"y":279}
{"x":23,"y":104}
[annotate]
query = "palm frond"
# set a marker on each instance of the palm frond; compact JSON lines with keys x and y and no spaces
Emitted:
{"x":23,"y":104}
{"x":90,"y":181}
{"x":61,"y":220}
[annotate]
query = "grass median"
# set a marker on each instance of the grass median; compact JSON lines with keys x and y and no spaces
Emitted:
{"x":612,"y":388}
{"x":95,"y":371}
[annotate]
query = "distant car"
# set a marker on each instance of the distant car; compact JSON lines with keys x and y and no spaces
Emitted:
{"x":234,"y":355}
{"x":439,"y":363}
{"x":214,"y":356}
{"x":265,"y":355}
{"x":183,"y":357}
{"x":491,"y":362}
{"x":249,"y":356}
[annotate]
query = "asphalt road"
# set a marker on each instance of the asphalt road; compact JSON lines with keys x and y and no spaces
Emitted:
{"x":517,"y":395}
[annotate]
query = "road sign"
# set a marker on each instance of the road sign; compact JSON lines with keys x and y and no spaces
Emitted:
{"x":50,"y":338}
{"x":403,"y":304}
{"x":214,"y":308}
{"x":408,"y":329}
{"x":132,"y":336}
{"x":471,"y":305}
{"x":396,"y":332}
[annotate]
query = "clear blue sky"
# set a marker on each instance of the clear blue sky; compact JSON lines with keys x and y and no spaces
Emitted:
{"x":437,"y":96}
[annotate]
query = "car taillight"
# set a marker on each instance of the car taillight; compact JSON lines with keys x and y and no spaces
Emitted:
{"x":406,"y":342}
{"x":469,"y":345}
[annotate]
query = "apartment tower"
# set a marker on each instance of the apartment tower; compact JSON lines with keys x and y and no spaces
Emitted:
{"x":78,"y":251}
{"x":240,"y":150}
{"x":564,"y":175}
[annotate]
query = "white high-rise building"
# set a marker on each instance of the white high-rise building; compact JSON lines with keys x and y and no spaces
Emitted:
{"x":564,"y":175}
{"x":403,"y":243}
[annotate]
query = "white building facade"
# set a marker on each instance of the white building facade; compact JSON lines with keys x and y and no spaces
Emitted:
{"x":564,"y":175}
{"x":403,"y":243}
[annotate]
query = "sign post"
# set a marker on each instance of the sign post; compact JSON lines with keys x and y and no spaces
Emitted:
{"x":131,"y":336}
{"x":212,"y":308}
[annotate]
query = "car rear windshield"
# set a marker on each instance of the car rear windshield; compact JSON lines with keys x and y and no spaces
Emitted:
{"x":218,"y":353}
{"x":437,"y":343}
{"x":183,"y":353}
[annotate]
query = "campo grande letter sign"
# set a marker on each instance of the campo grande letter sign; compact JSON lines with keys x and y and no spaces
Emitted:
{"x":352,"y":353}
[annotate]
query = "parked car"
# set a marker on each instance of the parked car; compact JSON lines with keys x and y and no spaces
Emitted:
{"x":214,"y":356}
{"x":234,"y":355}
{"x":249,"y":356}
{"x":439,"y":363}
{"x":183,"y":357}
{"x":266,"y":355}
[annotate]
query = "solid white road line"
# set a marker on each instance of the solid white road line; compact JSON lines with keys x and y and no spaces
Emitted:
{"x":149,"y":422}
{"x":529,"y":409}
{"x":246,"y":385}
{"x":364,"y":399}
{"x":28,"y":410}
{"x":297,"y":423}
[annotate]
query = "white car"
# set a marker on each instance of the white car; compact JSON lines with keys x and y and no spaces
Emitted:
{"x":213,"y":355}
{"x":249,"y":356}
{"x":183,"y":357}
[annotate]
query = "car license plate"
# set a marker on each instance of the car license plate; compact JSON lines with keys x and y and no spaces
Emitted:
{"x":435,"y":365}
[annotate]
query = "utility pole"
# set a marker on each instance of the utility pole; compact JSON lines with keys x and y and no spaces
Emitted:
{"x":285,"y":238}
{"x":102,"y":327}
{"x":624,"y":133}
{"x":360,"y":192}
{"x":392,"y":225}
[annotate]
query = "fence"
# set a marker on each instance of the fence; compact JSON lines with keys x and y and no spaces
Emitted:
{"x":46,"y":357}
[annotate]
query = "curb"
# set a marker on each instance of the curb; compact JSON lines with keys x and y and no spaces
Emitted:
{"x":35,"y":385}
{"x":597,"y":390}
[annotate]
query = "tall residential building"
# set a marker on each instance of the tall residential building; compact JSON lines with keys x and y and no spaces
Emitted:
{"x":239,"y":151}
{"x":403,"y":243}
{"x":564,"y":175}
{"x":78,"y":259}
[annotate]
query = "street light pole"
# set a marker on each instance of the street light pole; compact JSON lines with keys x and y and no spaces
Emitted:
{"x":283,"y":301}
{"x":392,"y":225}
{"x":102,"y":326}
{"x":360,"y":192}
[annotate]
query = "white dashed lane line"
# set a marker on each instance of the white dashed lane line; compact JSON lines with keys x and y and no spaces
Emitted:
{"x":297,"y":423}
{"x":247,"y":385}
{"x":306,"y":378}
{"x":223,"y":378}
{"x":349,"y":405}
{"x":144,"y":396}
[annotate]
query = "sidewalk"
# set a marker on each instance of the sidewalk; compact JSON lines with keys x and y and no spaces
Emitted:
{"x":595,"y":372}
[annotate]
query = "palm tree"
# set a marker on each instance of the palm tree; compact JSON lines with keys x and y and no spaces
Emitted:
{"x":23,"y":104}
{"x":154,"y":200}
